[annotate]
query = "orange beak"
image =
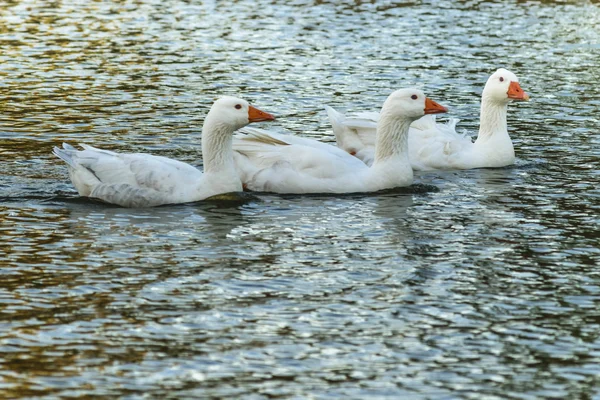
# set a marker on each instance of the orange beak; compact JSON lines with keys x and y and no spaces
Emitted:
{"x":516,"y":93}
{"x":255,"y":115}
{"x":431,"y":107}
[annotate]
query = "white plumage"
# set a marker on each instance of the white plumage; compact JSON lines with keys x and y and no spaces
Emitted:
{"x":439,"y":146}
{"x":289,"y":164}
{"x":144,"y":180}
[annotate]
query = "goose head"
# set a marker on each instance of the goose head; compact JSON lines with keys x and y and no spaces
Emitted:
{"x":411,"y":104}
{"x":236,"y":113}
{"x":503,"y":87}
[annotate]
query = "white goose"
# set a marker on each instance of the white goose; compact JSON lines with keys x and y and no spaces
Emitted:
{"x":144,"y":180}
{"x":272,"y":162}
{"x":438,"y":146}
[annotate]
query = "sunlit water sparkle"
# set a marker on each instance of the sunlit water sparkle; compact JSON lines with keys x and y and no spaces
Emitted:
{"x":488,"y":288}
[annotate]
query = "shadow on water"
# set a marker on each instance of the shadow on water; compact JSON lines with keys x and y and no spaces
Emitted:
{"x":223,"y":200}
{"x":417,"y":188}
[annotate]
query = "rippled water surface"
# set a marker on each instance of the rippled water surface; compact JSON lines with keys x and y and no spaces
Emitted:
{"x":488,"y":288}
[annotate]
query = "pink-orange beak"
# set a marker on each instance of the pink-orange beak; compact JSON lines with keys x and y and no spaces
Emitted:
{"x":431,"y":107}
{"x":256,"y":115}
{"x":516,"y":93}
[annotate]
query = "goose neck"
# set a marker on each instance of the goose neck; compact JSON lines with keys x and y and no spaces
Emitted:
{"x":492,"y":120}
{"x":217,"y":149}
{"x":392,"y":138}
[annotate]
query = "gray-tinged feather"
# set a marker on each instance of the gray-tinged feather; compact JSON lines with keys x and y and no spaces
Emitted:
{"x":128,"y":196}
{"x":65,"y":155}
{"x":260,"y":136}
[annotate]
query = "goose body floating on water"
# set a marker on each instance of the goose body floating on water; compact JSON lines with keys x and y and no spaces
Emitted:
{"x":438,"y":146}
{"x":144,"y":180}
{"x":271,"y":162}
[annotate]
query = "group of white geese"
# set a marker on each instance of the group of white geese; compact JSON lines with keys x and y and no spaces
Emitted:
{"x":374,"y":151}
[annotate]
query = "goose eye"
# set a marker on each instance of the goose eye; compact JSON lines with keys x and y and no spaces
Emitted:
{"x":501,"y":79}
{"x":238,"y":106}
{"x":414,"y":97}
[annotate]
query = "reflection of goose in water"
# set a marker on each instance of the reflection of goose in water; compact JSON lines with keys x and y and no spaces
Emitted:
{"x":392,"y":208}
{"x":214,"y":218}
{"x":462,"y":220}
{"x":196,"y":227}
{"x":144,"y":180}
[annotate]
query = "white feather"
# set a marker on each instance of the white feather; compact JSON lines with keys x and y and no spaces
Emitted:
{"x":439,"y":146}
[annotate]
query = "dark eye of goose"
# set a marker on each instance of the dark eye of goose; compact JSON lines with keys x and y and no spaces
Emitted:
{"x":501,"y":79}
{"x":414,"y":97}
{"x":238,"y":106}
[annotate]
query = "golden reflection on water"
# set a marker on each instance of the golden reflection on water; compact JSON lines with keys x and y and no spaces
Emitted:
{"x":290,"y":292}
{"x":64,"y":66}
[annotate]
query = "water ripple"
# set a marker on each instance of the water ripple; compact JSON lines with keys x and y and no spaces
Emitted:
{"x":486,"y":287}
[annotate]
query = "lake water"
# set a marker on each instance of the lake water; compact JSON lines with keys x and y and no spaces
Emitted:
{"x":488,"y":288}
